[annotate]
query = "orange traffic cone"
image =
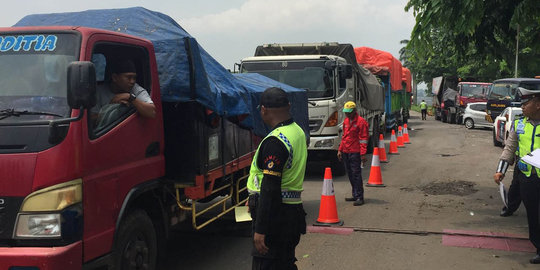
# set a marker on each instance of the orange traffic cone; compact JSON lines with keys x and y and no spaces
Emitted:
{"x":405,"y":134}
{"x":328,"y":210}
{"x":400,"y":138}
{"x":393,"y":144}
{"x":382,"y":150}
{"x":375,"y":177}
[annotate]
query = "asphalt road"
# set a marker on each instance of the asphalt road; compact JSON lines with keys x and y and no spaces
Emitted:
{"x":443,"y":180}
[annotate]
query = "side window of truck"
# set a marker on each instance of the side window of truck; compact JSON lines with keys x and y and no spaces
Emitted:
{"x":106,"y":115}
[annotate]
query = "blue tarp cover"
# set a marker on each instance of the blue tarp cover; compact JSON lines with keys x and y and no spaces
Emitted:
{"x":216,"y":88}
{"x":255,"y":84}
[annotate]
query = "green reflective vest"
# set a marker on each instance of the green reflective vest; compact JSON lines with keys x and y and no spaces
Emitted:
{"x":527,"y":142}
{"x":292,"y":178}
{"x":423,"y":106}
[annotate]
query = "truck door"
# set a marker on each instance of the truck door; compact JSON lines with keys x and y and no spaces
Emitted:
{"x":121,"y":152}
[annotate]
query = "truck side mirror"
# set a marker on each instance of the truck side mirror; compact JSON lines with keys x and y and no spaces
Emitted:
{"x":81,"y":85}
{"x":345,"y":71}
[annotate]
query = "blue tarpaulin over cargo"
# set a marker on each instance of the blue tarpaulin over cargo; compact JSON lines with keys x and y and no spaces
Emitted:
{"x":215,"y":88}
{"x":255,"y":84}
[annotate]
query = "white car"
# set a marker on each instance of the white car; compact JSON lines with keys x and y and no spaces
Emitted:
{"x":475,"y":115}
{"x":502,"y":124}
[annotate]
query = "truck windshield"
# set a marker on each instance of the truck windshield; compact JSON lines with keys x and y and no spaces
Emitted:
{"x":474,"y":90}
{"x":503,"y":91}
{"x":309,"y":75}
{"x":33,"y":69}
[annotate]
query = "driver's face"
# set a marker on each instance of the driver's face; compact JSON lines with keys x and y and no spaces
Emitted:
{"x":124,"y":81}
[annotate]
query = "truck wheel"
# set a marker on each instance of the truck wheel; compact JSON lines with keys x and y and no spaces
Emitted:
{"x":453,"y":119}
{"x":495,"y":142}
{"x":136,"y":243}
{"x":469,"y":123}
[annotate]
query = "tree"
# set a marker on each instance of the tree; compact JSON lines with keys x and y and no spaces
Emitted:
{"x":474,"y":38}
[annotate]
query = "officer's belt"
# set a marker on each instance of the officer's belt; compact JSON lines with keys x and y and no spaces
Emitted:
{"x":286,"y":196}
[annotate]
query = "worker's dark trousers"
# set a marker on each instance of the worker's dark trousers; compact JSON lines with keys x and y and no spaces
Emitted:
{"x":514,"y":196}
{"x":530,"y":194}
{"x":353,"y":165}
{"x":424,"y":113}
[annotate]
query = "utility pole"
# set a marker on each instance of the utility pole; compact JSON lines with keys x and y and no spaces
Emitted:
{"x":517,"y":50}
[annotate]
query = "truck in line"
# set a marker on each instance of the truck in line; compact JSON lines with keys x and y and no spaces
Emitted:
{"x":444,"y":99}
{"x":389,"y":71}
{"x":504,"y":93}
{"x":73,"y":196}
{"x":331,"y":77}
{"x":469,"y":92}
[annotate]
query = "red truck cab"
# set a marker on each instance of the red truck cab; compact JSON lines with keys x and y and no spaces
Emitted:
{"x":469,"y":92}
{"x":64,"y":182}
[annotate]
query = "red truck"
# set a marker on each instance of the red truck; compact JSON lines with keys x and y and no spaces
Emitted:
{"x":469,"y":92}
{"x":73,"y":196}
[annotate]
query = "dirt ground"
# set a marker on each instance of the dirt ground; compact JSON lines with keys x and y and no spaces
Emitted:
{"x":443,"y":180}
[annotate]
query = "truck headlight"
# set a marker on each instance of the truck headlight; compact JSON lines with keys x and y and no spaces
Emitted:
{"x":324,"y":143}
{"x":38,"y":225}
{"x":44,"y":212}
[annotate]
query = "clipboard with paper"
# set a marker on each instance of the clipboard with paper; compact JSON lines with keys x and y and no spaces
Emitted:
{"x":533,"y":158}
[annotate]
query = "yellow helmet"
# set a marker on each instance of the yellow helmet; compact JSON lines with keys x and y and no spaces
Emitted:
{"x":349,"y":107}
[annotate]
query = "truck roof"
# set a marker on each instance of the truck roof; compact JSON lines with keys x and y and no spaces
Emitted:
{"x":482,"y":83}
{"x":518,"y":80}
{"x":292,"y":57}
{"x":86,"y":30}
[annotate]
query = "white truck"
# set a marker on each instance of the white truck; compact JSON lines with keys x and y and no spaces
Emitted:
{"x":331,"y":77}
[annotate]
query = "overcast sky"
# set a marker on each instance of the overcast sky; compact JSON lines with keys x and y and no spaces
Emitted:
{"x":231,"y":29}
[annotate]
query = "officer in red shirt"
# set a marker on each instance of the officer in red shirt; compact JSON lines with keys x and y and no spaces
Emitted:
{"x":353,"y":149}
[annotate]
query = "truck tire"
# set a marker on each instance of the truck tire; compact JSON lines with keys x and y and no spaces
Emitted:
{"x":136,"y":243}
{"x":495,"y":142}
{"x":453,"y":118}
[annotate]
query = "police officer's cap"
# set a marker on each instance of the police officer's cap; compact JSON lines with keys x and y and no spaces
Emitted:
{"x":274,"y":97}
{"x":527,"y":94}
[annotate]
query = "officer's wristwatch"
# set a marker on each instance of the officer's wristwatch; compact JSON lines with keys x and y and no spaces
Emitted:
{"x":132,"y":97}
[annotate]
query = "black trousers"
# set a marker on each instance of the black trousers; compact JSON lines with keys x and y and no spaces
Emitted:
{"x":285,"y":229}
{"x":530,"y":194}
{"x":424,"y":113}
{"x":353,"y":165}
{"x":514,"y":196}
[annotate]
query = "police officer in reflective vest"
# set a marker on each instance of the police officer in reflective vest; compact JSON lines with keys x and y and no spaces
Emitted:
{"x":524,"y":137}
{"x":275,"y":186}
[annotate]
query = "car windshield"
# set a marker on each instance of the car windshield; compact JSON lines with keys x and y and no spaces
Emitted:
{"x":309,"y":75}
{"x":474,"y":90}
{"x":33,"y":70}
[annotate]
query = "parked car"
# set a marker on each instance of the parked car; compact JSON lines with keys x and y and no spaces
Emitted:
{"x":475,"y":115}
{"x":502,"y":124}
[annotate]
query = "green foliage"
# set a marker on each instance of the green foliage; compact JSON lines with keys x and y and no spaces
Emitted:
{"x":473,"y":38}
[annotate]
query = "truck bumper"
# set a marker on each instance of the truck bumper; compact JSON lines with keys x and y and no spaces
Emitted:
{"x":324,"y":143}
{"x":42,"y":258}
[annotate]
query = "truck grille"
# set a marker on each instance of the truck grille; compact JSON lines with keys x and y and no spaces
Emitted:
{"x":315,"y":125}
{"x":9,"y":207}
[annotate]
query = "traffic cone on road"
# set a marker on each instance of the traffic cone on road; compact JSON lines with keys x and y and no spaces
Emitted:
{"x":382,"y":150}
{"x":375,"y":177}
{"x":393,"y":144}
{"x":400,"y":138}
{"x":406,"y":134}
{"x":327,"y":209}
